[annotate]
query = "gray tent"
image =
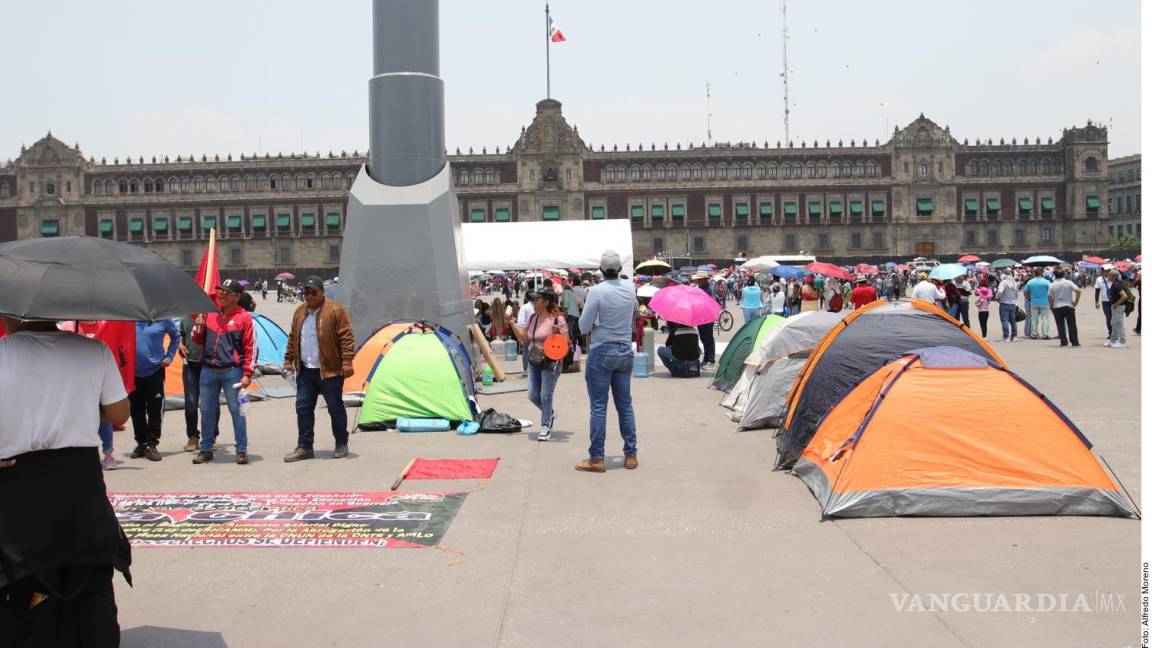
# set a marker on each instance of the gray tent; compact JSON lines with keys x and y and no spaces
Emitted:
{"x":759,"y":399}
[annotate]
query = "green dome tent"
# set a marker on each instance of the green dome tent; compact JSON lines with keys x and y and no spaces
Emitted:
{"x":425,"y":373}
{"x":749,"y":336}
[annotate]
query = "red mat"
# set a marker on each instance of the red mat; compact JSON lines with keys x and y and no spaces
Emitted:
{"x":452,"y":468}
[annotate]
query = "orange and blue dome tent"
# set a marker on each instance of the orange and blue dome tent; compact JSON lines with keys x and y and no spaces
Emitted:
{"x":907,"y":441}
{"x":856,"y":346}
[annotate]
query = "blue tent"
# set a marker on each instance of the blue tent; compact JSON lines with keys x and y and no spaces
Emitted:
{"x":789,"y":272}
{"x":271,"y":343}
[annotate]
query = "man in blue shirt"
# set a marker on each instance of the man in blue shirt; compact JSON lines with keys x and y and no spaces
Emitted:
{"x":147,"y":400}
{"x":609,"y":314}
{"x":1037,"y":289}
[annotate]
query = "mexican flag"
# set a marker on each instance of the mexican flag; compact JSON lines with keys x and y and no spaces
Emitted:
{"x":554,"y":32}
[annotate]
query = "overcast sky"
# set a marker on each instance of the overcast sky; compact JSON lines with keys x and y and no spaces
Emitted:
{"x":132,"y":78}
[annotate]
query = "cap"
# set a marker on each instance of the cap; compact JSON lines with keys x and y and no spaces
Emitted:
{"x":314,"y":282}
{"x":699,"y":275}
{"x":861,"y":278}
{"x":610,"y":260}
{"x":1107,"y":266}
{"x":230,"y":286}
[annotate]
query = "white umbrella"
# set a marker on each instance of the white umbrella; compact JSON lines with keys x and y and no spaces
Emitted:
{"x":647,"y":290}
{"x":762,"y":262}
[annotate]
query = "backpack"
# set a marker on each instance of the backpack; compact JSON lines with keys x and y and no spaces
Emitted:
{"x":1130,"y":303}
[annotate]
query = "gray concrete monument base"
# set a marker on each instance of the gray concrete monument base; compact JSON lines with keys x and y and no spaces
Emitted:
{"x":402,"y":258}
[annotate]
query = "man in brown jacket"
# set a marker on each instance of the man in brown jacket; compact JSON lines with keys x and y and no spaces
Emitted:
{"x":320,"y":351}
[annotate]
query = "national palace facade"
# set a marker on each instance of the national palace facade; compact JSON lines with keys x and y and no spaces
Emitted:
{"x":921,"y":193}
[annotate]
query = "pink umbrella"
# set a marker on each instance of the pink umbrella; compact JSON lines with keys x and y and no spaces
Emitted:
{"x":828,"y":270}
{"x":685,"y":305}
{"x":1097,"y":260}
{"x":968,"y":258}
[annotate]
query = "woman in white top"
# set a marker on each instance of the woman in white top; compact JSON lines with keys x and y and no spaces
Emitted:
{"x":1006,"y":293}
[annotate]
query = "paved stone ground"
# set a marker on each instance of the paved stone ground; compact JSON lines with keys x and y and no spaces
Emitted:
{"x":702,"y":545}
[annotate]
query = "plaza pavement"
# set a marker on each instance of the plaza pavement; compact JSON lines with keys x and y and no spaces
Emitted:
{"x":702,"y":545}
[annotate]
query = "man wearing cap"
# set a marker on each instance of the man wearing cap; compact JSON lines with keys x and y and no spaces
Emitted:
{"x":228,"y":338}
{"x":608,"y":314}
{"x":863,"y":293}
{"x":320,"y":352}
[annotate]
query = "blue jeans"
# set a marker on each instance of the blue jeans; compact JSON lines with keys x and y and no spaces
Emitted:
{"x":541,"y":385}
{"x":708,"y":341}
{"x":309,"y":386}
{"x":610,"y":366}
{"x":191,"y":375}
{"x":750,"y":314}
{"x":678,"y":368}
{"x":105,"y":431}
{"x":1008,"y":320}
{"x":211,"y":384}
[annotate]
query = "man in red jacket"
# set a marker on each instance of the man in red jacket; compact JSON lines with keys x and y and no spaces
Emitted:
{"x":229,"y":341}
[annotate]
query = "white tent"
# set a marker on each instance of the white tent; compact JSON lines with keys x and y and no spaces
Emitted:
{"x":545,"y":244}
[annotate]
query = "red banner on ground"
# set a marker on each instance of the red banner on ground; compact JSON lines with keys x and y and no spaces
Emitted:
{"x":452,"y":468}
{"x":286,"y":519}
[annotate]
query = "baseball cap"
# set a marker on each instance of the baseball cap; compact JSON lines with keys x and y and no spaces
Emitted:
{"x":314,"y":282}
{"x":230,"y":286}
{"x":610,"y":260}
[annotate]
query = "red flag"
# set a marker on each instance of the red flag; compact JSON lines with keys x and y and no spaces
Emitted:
{"x":121,"y":340}
{"x":451,"y":468}
{"x":208,"y":274}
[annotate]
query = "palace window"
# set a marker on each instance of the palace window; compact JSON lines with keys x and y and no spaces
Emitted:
{"x":822,"y":170}
{"x":646,"y":172}
{"x":870,"y":169}
{"x":634,"y":173}
{"x":97,"y":188}
{"x":836,"y":170}
{"x":722,"y":170}
{"x":1091,"y":165}
{"x":710,"y":171}
{"x":108,"y":186}
{"x":224,"y":184}
{"x":159,"y":186}
{"x":199,"y":184}
{"x":812,"y":170}
{"x":761,"y":171}
{"x":772,"y":170}
{"x":923,"y":169}
{"x":123,"y":187}
{"x":210,"y":184}
{"x":859,"y":169}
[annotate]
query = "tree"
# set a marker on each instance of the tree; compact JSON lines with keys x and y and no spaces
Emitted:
{"x":1126,"y":243}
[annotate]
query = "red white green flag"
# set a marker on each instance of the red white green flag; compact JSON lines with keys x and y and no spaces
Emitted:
{"x":554,"y":32}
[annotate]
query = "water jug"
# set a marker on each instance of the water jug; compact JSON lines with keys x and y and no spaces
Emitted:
{"x":422,"y":425}
{"x":510,"y":349}
{"x":649,"y":344}
{"x":640,"y":365}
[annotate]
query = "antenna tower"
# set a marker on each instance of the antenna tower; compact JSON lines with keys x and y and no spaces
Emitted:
{"x":708,"y":106}
{"x":784,"y":74}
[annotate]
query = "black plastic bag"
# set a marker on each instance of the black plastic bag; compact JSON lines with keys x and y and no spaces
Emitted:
{"x":493,"y":421}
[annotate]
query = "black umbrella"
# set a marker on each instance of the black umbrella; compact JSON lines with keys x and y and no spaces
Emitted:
{"x":86,"y":278}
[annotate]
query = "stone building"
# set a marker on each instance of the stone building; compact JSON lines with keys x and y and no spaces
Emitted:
{"x":1124,"y":197}
{"x":921,"y":193}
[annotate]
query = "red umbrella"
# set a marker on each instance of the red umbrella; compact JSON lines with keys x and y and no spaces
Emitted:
{"x":284,"y":275}
{"x":1097,"y":260}
{"x":968,"y":258}
{"x":1123,"y":266}
{"x":575,"y":270}
{"x":828,"y":270}
{"x":1138,"y":258}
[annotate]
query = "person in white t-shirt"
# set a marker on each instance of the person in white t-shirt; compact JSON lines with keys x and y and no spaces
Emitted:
{"x":58,"y":532}
{"x":929,"y":291}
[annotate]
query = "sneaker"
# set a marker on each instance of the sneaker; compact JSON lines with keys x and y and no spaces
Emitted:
{"x":202,"y":457}
{"x":591,"y":465}
{"x":110,"y":462}
{"x":340,"y":452}
{"x":1119,"y":345}
{"x":299,"y":454}
{"x":138,"y":451}
{"x":1108,"y":343}
{"x":1014,"y":338}
{"x":193,"y":444}
{"x":545,"y":434}
{"x":152,"y":454}
{"x":242,"y":458}
{"x":630,"y":462}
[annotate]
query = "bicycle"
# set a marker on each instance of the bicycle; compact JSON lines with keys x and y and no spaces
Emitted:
{"x":725,"y":321}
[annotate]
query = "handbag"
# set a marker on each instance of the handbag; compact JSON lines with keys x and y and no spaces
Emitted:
{"x":1020,"y":316}
{"x":536,"y":356}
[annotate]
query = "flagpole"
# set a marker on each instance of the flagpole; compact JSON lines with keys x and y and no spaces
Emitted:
{"x":547,"y":51}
